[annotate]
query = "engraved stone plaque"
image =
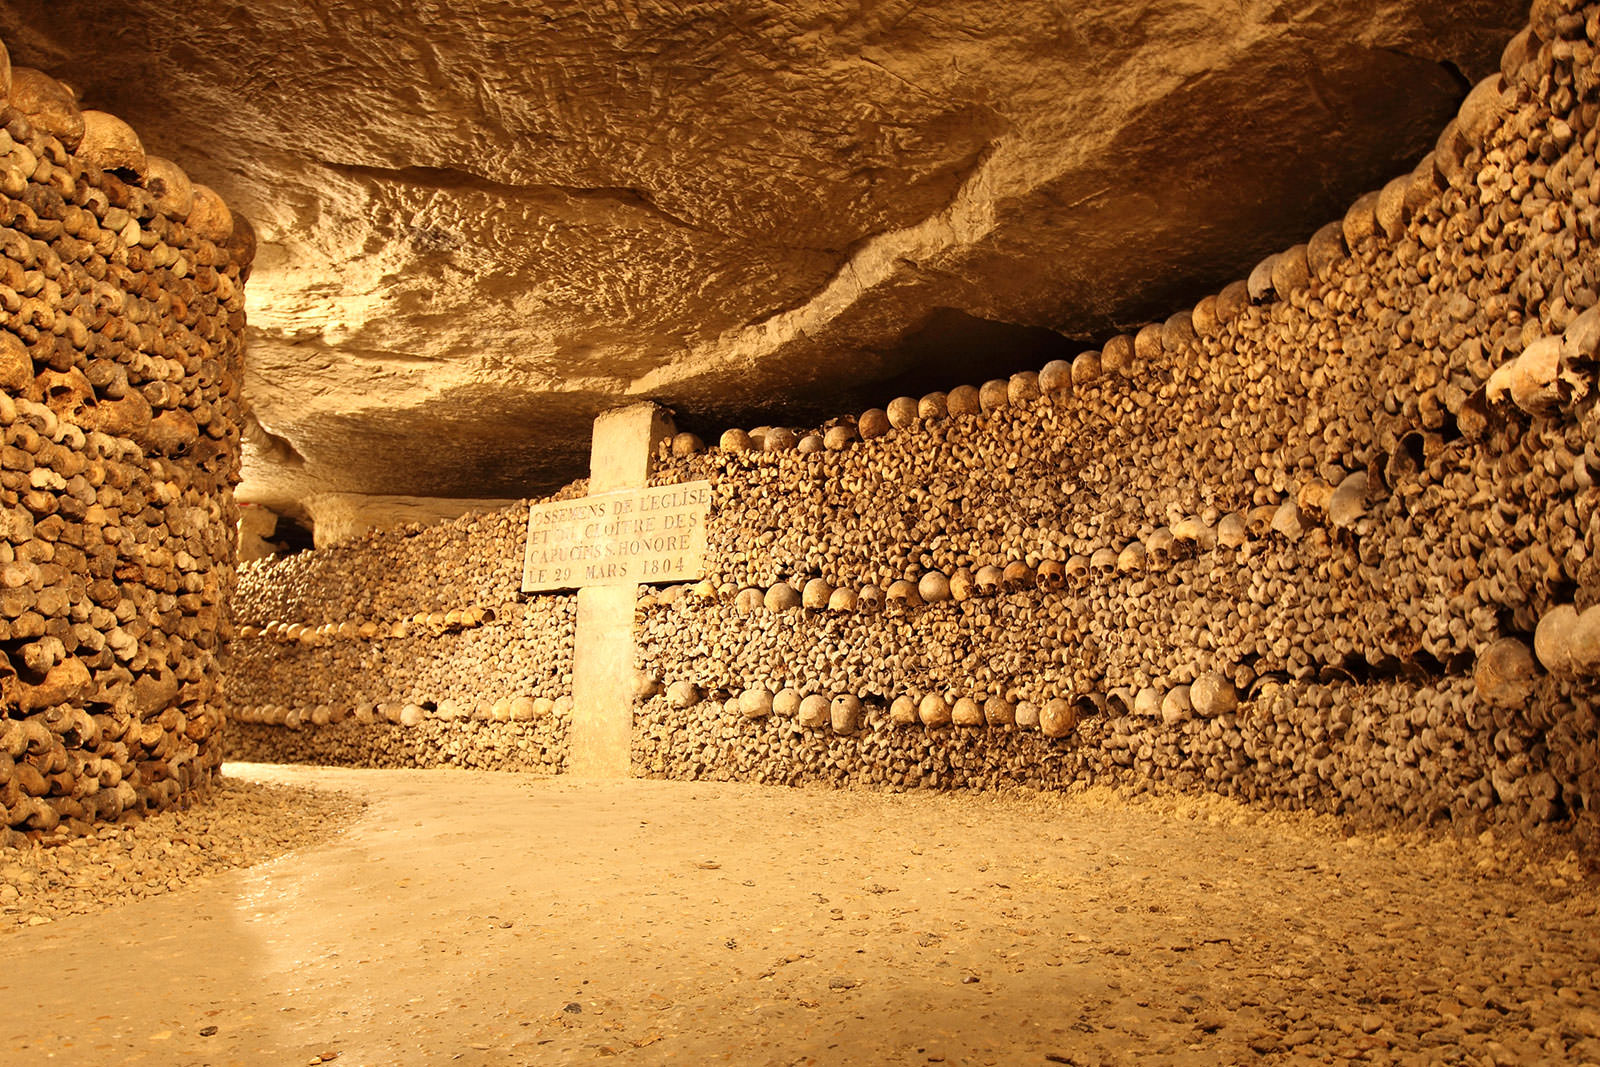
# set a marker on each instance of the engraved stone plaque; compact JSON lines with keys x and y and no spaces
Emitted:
{"x":629,"y":537}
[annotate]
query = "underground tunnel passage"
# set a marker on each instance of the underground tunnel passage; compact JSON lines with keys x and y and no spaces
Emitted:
{"x":800,"y":534}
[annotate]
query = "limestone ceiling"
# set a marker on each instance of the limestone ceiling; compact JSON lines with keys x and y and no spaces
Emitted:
{"x":483,"y":221}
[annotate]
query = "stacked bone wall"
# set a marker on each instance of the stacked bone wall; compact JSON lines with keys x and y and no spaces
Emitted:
{"x":403,"y":648}
{"x":1297,"y":545}
{"x":1326,"y":541}
{"x":121,"y":318}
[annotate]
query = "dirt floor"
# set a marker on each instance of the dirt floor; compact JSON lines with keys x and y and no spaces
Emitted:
{"x":480,"y":918}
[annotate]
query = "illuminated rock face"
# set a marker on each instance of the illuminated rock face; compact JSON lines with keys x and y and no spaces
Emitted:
{"x":480,"y":228}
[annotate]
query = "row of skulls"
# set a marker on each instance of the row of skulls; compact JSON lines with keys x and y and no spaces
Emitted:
{"x":1163,"y":548}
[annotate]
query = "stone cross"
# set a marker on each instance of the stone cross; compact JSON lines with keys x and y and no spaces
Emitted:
{"x":606,"y":545}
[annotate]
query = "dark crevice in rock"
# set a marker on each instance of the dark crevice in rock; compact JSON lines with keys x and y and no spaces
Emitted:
{"x":269,"y":445}
{"x":1372,"y":668}
{"x":1457,"y":75}
{"x":292,"y":535}
{"x":953,"y":348}
{"x":452,"y":180}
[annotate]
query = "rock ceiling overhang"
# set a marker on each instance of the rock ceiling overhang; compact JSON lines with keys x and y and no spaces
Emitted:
{"x":483,"y":222}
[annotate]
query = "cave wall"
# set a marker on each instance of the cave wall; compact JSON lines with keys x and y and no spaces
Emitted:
{"x":121,"y":319}
{"x":1326,"y":541}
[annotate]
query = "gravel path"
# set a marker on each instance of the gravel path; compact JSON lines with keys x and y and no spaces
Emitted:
{"x":481,"y":918}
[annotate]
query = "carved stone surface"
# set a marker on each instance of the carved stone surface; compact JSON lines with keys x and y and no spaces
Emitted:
{"x":477,"y":221}
{"x":618,"y":538}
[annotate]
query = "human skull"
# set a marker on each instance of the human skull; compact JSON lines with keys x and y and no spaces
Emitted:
{"x":782,"y":597}
{"x":815,"y":595}
{"x":1055,"y":377}
{"x":846,"y":714}
{"x":1258,"y":522}
{"x":1231,"y":532}
{"x":874,"y":422}
{"x":110,"y":144}
{"x":1085,"y":368}
{"x":1022,"y":388}
{"x":988,"y":580}
{"x":933,"y":587}
{"x":69,"y":395}
{"x":963,"y":400}
{"x":902,"y":412}
{"x":903,"y":593}
{"x":837,"y":438}
{"x":1192,"y":534}
{"x":962,"y":584}
{"x":1158,"y":549}
{"x":779,"y":439}
{"x":870,"y":599}
{"x":994,"y":395}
